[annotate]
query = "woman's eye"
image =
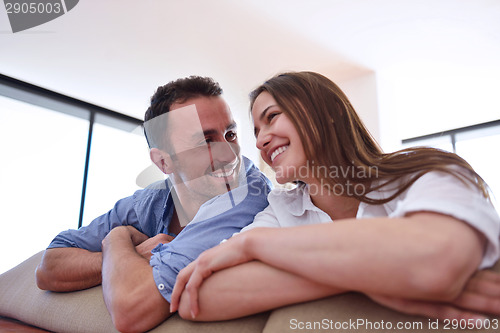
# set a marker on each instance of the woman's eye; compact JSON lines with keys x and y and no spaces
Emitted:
{"x":272,"y":115}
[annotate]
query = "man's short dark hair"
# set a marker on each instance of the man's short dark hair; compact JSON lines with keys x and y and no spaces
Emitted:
{"x":178,"y":91}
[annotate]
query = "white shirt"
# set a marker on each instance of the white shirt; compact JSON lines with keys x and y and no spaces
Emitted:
{"x":434,"y":192}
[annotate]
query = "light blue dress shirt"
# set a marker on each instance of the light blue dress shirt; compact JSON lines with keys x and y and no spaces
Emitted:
{"x":150,"y":211}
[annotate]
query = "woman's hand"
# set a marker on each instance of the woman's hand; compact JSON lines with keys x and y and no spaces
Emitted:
{"x":481,"y":293}
{"x":480,"y":296}
{"x":230,"y":253}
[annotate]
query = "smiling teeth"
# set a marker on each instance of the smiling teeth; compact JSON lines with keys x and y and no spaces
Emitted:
{"x":277,"y":152}
{"x":223,"y":174}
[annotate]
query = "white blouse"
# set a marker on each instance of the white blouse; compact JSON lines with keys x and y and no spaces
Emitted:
{"x":435,"y":192}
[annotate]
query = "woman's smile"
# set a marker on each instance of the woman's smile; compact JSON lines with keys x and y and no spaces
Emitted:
{"x":277,"y":152}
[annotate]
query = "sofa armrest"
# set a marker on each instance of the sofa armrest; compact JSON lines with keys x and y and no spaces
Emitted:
{"x":353,"y":312}
{"x":84,"y":311}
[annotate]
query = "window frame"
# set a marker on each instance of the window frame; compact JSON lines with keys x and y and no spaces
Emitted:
{"x":453,"y":133}
{"x":48,"y":99}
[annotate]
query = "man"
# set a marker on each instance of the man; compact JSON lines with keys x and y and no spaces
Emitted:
{"x":138,"y":247}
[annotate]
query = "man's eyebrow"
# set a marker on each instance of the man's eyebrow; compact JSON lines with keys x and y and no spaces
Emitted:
{"x":213,"y":132}
{"x":231,"y":126}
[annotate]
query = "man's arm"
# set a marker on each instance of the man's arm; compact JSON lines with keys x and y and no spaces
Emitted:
{"x":68,"y":269}
{"x":129,"y":290}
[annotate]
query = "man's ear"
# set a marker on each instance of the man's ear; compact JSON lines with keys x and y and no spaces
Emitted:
{"x":162,"y":160}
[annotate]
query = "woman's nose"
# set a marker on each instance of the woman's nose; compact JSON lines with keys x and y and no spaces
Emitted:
{"x":263,"y":139}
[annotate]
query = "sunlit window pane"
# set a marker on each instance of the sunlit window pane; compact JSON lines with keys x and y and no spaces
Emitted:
{"x":481,"y":153}
{"x":117,"y":158}
{"x":43,"y":157}
{"x":476,"y":146}
{"x":443,"y":142}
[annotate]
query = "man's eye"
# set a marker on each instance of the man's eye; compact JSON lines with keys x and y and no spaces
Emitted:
{"x":205,"y":142}
{"x":231,"y":136}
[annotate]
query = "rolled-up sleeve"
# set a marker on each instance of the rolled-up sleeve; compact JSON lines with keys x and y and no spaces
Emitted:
{"x":166,"y":265}
{"x":91,"y":236}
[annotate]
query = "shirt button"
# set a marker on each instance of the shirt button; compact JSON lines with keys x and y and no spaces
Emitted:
{"x":161,"y":286}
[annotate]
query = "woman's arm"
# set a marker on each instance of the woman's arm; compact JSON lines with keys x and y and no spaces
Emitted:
{"x":260,"y":288}
{"x":480,"y":296}
{"x":422,"y":256}
{"x":250,"y":288}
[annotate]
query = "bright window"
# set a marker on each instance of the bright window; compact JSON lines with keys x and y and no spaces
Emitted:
{"x":43,"y":175}
{"x":117,"y":157}
{"x":43,"y":157}
{"x":477,"y":144}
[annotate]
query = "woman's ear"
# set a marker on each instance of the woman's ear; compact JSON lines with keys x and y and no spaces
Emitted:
{"x":162,"y":160}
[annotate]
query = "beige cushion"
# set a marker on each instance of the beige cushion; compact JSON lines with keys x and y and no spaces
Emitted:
{"x":348,"y":308}
{"x":344,"y":310}
{"x":84,"y":311}
{"x":80,"y":311}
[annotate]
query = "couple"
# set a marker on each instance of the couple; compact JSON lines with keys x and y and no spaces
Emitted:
{"x":411,"y":235}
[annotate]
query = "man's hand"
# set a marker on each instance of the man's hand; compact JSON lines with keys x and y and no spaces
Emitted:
{"x":144,"y":248}
{"x":144,"y":244}
{"x":480,"y":296}
{"x":136,"y":236}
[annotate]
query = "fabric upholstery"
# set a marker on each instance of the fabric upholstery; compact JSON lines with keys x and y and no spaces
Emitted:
{"x":84,"y":311}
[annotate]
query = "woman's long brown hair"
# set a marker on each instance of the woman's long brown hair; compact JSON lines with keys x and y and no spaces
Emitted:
{"x":333,"y":135}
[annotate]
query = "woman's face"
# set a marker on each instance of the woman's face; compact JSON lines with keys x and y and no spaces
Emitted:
{"x":278,"y":140}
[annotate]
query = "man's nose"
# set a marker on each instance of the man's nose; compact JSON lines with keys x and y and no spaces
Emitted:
{"x":224,"y":151}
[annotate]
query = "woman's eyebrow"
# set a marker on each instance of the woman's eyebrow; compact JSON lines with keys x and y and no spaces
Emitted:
{"x":261,"y":117}
{"x":263,"y":114}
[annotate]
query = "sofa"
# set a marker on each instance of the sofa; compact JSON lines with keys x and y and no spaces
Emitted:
{"x":23,"y":304}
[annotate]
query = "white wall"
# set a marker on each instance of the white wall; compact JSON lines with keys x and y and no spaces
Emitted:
{"x":421,"y":98}
{"x":362,"y":92}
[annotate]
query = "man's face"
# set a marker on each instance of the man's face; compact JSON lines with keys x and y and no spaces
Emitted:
{"x":205,"y":152}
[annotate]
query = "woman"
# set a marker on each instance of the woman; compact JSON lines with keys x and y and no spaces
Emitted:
{"x":412,"y":225}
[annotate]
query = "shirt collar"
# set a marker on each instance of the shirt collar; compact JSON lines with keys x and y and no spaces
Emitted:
{"x":298,"y":200}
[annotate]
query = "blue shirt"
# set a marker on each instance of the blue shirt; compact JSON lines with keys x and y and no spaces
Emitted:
{"x":150,"y":211}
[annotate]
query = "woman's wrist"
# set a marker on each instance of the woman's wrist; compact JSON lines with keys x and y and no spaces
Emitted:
{"x":249,"y":243}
